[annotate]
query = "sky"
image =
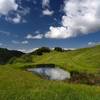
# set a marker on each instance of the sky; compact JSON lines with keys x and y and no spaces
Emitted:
{"x":28,"y":24}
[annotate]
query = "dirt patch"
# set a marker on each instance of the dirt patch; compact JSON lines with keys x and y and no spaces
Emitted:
{"x":84,"y":78}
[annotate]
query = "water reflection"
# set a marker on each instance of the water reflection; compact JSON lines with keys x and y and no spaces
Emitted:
{"x":51,"y":73}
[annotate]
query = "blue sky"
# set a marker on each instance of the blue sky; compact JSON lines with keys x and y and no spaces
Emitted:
{"x":28,"y":24}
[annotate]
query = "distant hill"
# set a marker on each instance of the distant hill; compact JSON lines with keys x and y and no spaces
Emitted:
{"x":6,"y":55}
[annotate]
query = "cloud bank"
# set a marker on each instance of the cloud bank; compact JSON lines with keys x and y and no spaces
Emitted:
{"x":81,"y":17}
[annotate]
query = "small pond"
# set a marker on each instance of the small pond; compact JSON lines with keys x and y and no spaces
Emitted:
{"x":51,"y":73}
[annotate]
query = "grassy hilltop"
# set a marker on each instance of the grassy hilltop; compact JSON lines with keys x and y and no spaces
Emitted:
{"x":18,"y":84}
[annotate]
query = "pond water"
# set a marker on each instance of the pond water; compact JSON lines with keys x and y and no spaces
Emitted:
{"x":51,"y":73}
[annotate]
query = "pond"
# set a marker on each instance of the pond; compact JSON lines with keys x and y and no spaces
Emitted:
{"x":51,"y":73}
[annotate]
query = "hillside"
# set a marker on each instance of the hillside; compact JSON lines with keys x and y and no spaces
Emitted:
{"x":6,"y":55}
{"x":18,"y":84}
{"x":85,"y":59}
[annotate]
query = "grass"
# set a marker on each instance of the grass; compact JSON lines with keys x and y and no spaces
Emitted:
{"x":82,"y":60}
{"x":18,"y":84}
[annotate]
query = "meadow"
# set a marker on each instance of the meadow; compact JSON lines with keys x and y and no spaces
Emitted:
{"x":18,"y":84}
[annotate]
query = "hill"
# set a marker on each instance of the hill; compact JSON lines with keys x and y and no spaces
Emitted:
{"x":82,"y":60}
{"x":6,"y":55}
{"x":18,"y":84}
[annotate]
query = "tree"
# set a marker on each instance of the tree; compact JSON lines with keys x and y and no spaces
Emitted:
{"x":58,"y":49}
{"x":41,"y":50}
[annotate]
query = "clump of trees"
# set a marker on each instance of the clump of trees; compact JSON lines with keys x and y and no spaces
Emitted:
{"x":41,"y":50}
{"x":59,"y":49}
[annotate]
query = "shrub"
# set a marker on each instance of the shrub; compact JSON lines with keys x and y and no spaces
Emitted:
{"x":58,"y":49}
{"x":41,"y":50}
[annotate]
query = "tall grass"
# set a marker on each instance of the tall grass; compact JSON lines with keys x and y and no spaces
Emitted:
{"x":16,"y":84}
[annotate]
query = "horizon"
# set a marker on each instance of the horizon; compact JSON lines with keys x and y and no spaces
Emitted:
{"x":29,"y":24}
{"x":33,"y":49}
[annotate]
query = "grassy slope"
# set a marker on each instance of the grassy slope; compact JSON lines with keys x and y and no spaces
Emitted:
{"x":87,"y":59}
{"x":17,"y":84}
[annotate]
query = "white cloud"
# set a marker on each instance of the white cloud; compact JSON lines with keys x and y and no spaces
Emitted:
{"x":23,"y":11}
{"x":81,"y":17}
{"x":57,"y":32}
{"x":24,"y":42}
{"x":46,"y":8}
{"x":38,"y":36}
{"x":20,"y":42}
{"x":7,"y":5}
{"x":13,"y":11}
{"x":22,"y":50}
{"x":18,"y":16}
{"x":69,"y":48}
{"x":93,"y":43}
{"x":27,"y":50}
{"x":45,"y":3}
{"x":31,"y":50}
{"x":15,"y":42}
{"x":47,"y":12}
{"x":16,"y":19}
{"x":4,"y":32}
{"x":24,"y":21}
{"x":37,"y":32}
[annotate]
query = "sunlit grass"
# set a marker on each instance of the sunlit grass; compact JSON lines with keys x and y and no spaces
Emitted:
{"x":18,"y":84}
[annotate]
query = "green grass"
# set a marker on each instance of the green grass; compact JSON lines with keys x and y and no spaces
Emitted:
{"x":18,"y":84}
{"x":82,"y":60}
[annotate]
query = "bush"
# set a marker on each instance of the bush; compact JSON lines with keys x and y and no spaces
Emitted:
{"x":58,"y":49}
{"x":41,"y":50}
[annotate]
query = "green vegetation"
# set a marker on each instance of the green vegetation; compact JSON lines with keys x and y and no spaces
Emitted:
{"x":6,"y":55}
{"x":58,"y":49}
{"x":41,"y":50}
{"x":18,"y":84}
{"x":81,"y":60}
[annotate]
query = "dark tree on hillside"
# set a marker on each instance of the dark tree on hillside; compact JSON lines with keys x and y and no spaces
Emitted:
{"x":58,"y":49}
{"x":41,"y":50}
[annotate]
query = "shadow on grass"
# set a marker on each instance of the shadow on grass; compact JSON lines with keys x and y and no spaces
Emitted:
{"x":38,"y":66}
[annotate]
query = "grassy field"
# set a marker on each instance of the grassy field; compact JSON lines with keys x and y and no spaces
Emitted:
{"x":82,"y":60}
{"x":18,"y":84}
